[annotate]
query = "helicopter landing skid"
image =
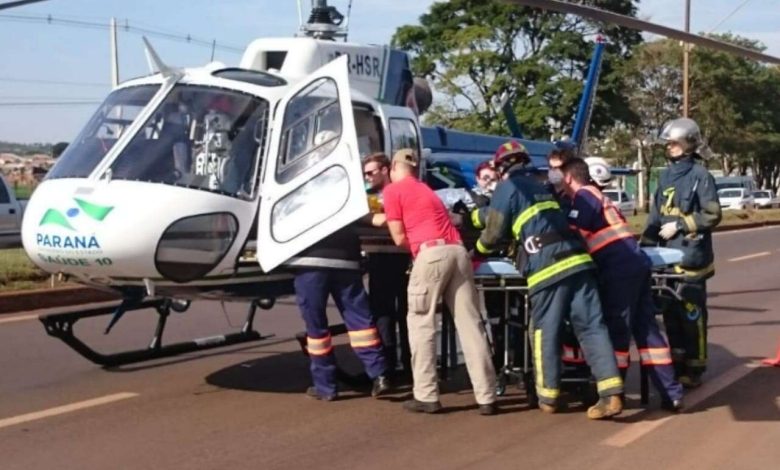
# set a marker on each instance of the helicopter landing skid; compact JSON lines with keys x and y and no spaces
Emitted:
{"x":60,"y":325}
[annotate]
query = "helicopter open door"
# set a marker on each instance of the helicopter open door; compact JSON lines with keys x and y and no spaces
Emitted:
{"x":312,"y":181}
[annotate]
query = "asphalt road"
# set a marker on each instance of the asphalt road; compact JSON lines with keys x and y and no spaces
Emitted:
{"x":243,"y":407}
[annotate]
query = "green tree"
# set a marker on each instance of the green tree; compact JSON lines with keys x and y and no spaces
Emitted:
{"x":479,"y":53}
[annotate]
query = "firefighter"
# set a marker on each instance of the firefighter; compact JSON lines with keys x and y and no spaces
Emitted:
{"x":560,"y":279}
{"x":623,"y":275}
{"x":331,"y":267}
{"x":685,"y":209}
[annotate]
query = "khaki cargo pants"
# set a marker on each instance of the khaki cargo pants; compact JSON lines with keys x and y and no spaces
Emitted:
{"x":445,"y":271}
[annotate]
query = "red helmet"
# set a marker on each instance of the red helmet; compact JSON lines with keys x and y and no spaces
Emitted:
{"x":510,"y":154}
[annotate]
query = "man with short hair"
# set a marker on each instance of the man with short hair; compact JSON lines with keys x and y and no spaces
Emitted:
{"x":387,"y":278}
{"x":624,"y":280}
{"x":418,"y":220}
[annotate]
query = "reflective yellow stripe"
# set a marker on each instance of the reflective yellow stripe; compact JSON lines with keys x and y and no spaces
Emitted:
{"x":476,"y":221}
{"x":606,"y":384}
{"x":551,"y":393}
{"x":695,"y":272}
{"x":318,"y":346}
{"x":702,"y":341}
{"x":655,"y":356}
{"x":482,"y":248}
{"x":364,"y":338}
{"x":667,"y":209}
{"x":690,"y":222}
{"x":557,"y":268}
{"x":623,"y":359}
{"x":607,"y":235}
{"x":527,"y":214}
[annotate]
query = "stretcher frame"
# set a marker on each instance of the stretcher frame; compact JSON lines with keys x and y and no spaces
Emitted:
{"x":661,"y":278}
{"x":509,"y":284}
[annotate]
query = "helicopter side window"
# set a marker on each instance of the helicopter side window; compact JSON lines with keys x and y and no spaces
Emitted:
{"x":311,"y":128}
{"x":200,"y":137}
{"x":369,"y":130}
{"x":102,"y":131}
{"x":403,"y":134}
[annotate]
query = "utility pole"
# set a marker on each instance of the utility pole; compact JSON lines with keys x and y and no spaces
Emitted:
{"x":114,"y":55}
{"x":686,"y":59}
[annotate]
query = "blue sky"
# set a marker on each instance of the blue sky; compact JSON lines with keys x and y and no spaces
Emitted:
{"x":32,"y":50}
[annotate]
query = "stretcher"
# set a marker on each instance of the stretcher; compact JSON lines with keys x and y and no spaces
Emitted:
{"x":500,"y":275}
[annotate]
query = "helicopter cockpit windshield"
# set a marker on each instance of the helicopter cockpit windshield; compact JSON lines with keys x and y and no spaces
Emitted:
{"x":199,"y":137}
{"x":110,"y":122}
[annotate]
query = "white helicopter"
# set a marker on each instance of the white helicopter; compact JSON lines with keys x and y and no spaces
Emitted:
{"x":200,"y":183}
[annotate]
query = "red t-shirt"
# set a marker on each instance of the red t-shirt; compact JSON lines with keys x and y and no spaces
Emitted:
{"x":423,"y":214}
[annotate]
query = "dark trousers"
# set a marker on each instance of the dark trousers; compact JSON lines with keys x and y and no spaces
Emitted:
{"x":629,"y":311}
{"x":312,"y":288}
{"x":387,"y":281}
{"x":686,"y":327}
{"x":578,"y":296}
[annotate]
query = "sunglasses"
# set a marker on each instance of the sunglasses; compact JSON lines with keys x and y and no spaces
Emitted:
{"x":371,"y":172}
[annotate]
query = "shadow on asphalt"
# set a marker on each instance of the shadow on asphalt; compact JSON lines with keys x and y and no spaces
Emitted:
{"x":753,"y":398}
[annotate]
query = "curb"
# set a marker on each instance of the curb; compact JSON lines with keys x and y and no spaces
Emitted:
{"x":14,"y":302}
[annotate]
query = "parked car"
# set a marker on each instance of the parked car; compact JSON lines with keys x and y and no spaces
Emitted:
{"x":11,"y":209}
{"x":765,"y":199}
{"x":736,"y":199}
{"x":622,"y":200}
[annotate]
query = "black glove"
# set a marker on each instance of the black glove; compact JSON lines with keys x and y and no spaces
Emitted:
{"x":460,"y":207}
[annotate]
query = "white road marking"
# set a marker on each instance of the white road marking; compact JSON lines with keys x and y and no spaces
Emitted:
{"x":58,"y":410}
{"x":739,"y":232}
{"x":636,"y":430}
{"x":18,"y":318}
{"x":751,"y":256}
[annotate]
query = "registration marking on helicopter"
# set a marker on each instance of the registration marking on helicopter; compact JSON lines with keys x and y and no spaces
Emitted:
{"x":60,"y":410}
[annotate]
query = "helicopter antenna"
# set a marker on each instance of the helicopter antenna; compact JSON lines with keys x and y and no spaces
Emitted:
{"x":325,"y":22}
{"x":346,"y":23}
{"x":300,"y":14}
{"x":155,"y":63}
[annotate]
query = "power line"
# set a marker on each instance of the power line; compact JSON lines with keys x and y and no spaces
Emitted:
{"x":739,"y":7}
{"x":53,"y":82}
{"x":82,"y":24}
{"x":49,"y":103}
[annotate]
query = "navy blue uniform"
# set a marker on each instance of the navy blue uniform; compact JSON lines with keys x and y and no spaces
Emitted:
{"x":332,"y":268}
{"x":687,"y":195}
{"x":560,"y":278}
{"x":624,"y":286}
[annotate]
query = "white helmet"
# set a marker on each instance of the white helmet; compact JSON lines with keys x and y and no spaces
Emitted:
{"x":598,"y":168}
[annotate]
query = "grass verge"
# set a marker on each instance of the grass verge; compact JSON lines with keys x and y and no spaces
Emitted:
{"x":17,"y":272}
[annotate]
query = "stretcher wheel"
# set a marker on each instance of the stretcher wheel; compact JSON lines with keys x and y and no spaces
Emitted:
{"x":501,"y":381}
{"x":530,"y":390}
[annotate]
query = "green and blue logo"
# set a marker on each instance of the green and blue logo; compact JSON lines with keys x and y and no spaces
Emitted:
{"x":93,"y":211}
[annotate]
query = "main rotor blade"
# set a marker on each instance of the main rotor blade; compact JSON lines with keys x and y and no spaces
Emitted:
{"x":634,"y":23}
{"x":18,"y":3}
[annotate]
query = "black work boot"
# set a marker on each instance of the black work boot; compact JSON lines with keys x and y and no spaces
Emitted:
{"x":488,"y":410}
{"x":416,"y":406}
{"x":675,"y":406}
{"x":311,"y":392}
{"x":381,"y":386}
